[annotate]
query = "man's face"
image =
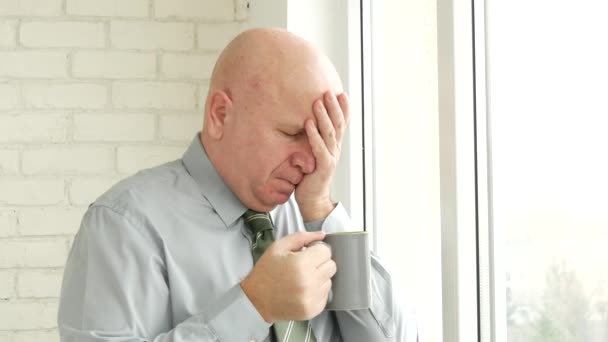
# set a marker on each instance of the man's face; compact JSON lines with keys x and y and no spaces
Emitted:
{"x":268,"y":152}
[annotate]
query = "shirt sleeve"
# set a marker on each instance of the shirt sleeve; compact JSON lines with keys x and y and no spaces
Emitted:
{"x":389,"y":318}
{"x":115,"y":288}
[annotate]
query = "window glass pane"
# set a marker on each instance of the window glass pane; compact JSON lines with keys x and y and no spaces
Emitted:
{"x":406,"y":155}
{"x":548,"y":104}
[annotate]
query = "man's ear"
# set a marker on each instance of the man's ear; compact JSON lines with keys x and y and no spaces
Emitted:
{"x":220,"y":107}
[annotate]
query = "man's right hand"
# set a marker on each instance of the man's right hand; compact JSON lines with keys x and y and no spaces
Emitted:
{"x":288,"y":283}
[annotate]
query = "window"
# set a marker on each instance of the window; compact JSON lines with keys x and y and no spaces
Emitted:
{"x":516,"y":166}
{"x":546,"y":94}
{"x":402,"y":154}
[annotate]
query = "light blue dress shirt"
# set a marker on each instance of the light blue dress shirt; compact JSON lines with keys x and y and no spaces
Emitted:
{"x":159,"y":257}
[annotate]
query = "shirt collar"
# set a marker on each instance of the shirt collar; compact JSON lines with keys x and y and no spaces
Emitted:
{"x":211,"y":184}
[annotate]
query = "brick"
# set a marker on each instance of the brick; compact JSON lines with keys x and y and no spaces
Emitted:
{"x":8,"y":32}
{"x":7,"y":284}
{"x":160,"y":95}
{"x":31,"y":191}
{"x":216,"y":36}
{"x":152,"y":35}
{"x":104,"y":64}
{"x":9,"y":96}
{"x":45,"y":64}
{"x":6,"y":336}
{"x":30,"y":7}
{"x":187,"y":66}
{"x":85,"y":191}
{"x":49,"y":221}
{"x":8,"y":223}
{"x":32,"y":253}
{"x":40,"y":283}
{"x":9,"y":161}
{"x":114,"y":127}
{"x":180,"y":127}
{"x":62,"y":34}
{"x":37,"y":336}
{"x":65,"y":95}
{"x":209,"y":9}
{"x":28,"y":315}
{"x":62,"y":160}
{"x":202,"y":96}
{"x":241,"y":11}
{"x":28,"y":127}
{"x":108,"y":8}
{"x":132,"y":159}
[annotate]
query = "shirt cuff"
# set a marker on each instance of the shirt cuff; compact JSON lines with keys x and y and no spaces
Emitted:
{"x":238,"y":319}
{"x":336,"y":221}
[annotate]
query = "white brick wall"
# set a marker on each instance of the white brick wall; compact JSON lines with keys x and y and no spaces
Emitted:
{"x":83,"y":191}
{"x":113,"y":64}
{"x":65,"y":95}
{"x":90,"y":92}
{"x":8,"y":223}
{"x":68,"y":160}
{"x":39,"y":64}
{"x":184,"y":66}
{"x":108,"y":8}
{"x":36,"y":336}
{"x":8,"y":31}
{"x":28,"y":314}
{"x":39,"y":283}
{"x":152,"y":35}
{"x":180,"y":127}
{"x":131,"y":159}
{"x":50,"y":220}
{"x":9,"y":162}
{"x":33,"y":127}
{"x":30,"y":8}
{"x":114,"y":127}
{"x":216,"y":36}
{"x":162,"y":95}
{"x":209,"y":9}
{"x":62,"y":34}
{"x":7,"y":284}
{"x":9,"y":96}
{"x":38,"y":252}
{"x":31,"y":191}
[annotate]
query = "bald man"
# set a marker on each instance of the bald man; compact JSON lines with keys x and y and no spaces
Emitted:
{"x":166,"y":255}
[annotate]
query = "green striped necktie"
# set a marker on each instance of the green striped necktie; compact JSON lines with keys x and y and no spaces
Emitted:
{"x":261,"y":227}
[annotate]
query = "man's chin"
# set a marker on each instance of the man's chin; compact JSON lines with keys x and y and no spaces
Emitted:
{"x":282,"y":197}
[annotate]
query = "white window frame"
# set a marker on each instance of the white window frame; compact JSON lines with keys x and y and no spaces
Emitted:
{"x":492,"y":282}
{"x":466,"y":181}
{"x":457,"y":170}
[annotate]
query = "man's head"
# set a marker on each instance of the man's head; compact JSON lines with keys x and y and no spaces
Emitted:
{"x":261,"y":93}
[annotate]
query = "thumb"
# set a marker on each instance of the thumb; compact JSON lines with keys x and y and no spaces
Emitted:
{"x":294,"y":242}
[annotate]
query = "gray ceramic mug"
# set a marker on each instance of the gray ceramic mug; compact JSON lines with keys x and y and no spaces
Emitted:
{"x":351,"y":285}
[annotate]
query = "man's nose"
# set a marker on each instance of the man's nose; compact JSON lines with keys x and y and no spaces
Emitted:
{"x":304,"y":159}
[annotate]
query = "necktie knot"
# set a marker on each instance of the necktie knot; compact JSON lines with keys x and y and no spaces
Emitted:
{"x":257,"y":222}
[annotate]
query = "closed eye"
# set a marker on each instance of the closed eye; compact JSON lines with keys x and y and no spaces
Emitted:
{"x":291,"y":134}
